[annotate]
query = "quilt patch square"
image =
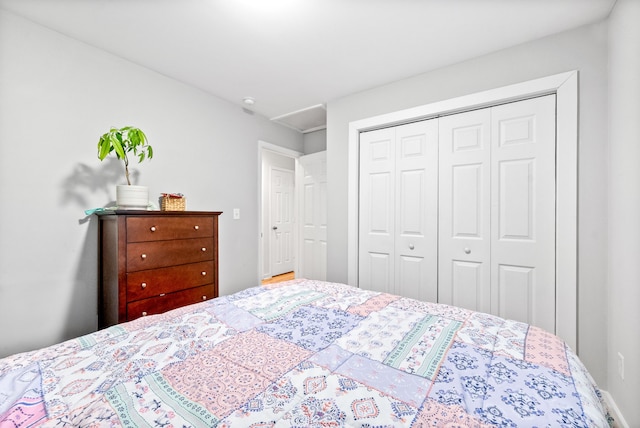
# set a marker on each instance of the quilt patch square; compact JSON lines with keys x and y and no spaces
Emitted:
{"x":263,"y":354}
{"x":461,"y":379}
{"x":388,"y":380}
{"x":547,"y":350}
{"x":429,"y":308}
{"x":374,"y":335}
{"x":311,"y":328}
{"x":434,"y":414}
{"x":524,"y":392}
{"x":218,"y":384}
{"x":278,"y":302}
{"x":423,"y":348}
{"x":152,"y":401}
{"x":373,"y":304}
{"x":331,"y":357}
{"x":341,"y":401}
{"x":503,"y":337}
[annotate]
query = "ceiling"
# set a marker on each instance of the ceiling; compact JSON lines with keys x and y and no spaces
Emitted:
{"x":294,"y":56}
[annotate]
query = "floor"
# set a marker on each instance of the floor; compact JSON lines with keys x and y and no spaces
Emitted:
{"x":279,"y":278}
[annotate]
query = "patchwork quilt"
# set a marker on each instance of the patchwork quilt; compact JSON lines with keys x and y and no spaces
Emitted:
{"x":304,"y":354}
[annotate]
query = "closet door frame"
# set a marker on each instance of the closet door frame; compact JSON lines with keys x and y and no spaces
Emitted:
{"x":565,"y":86}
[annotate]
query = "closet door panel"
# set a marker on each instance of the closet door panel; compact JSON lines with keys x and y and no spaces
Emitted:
{"x":377,"y":210}
{"x":416,"y":242}
{"x":464,"y":210}
{"x":467,"y":197}
{"x":469,"y":286}
{"x":516,"y":286}
{"x":523,"y":226}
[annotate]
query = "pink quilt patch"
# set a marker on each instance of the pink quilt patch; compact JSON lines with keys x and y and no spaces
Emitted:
{"x":374,"y":304}
{"x":434,"y":414}
{"x":214,"y":382}
{"x":25,"y":413}
{"x":262,"y":353}
{"x":546,"y":350}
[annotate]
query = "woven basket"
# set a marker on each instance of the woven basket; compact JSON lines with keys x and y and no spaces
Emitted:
{"x":173,"y":204}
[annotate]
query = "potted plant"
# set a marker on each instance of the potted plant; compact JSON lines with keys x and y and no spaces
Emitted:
{"x":124,"y":141}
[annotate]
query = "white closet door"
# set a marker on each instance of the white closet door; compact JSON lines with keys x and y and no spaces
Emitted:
{"x":416,"y":214}
{"x":523,"y":222}
{"x":377,"y":210}
{"x":497,"y":211}
{"x":465,"y":210}
{"x":398,"y":216}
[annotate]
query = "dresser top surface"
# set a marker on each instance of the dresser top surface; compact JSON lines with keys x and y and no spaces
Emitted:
{"x":156,"y":213}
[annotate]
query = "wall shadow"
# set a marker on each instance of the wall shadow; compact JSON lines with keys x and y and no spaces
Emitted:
{"x":82,"y":188}
{"x":101,"y":180}
{"x":82,"y":316}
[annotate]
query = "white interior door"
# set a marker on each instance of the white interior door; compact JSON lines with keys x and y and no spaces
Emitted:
{"x":313,"y":216}
{"x":281,"y":221}
{"x":398,"y":221}
{"x":465,"y":210}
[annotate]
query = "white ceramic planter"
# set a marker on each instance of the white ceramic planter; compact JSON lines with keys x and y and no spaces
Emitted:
{"x":132,"y":197}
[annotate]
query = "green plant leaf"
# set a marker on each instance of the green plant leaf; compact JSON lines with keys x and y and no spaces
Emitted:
{"x":116,"y":142}
{"x":123,"y":140}
{"x":104,"y":147}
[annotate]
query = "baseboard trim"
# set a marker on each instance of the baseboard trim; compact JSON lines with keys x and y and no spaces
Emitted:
{"x":618,"y":419}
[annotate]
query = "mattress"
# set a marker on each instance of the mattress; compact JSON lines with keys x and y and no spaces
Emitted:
{"x":305,"y":354}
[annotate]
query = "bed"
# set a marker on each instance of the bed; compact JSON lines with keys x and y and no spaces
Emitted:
{"x":304,"y":353}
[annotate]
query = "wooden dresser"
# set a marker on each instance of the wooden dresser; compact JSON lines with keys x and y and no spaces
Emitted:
{"x":155,"y":261}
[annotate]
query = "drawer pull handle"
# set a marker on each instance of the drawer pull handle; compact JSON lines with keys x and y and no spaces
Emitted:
{"x":196,"y":227}
{"x":153,"y":229}
{"x":203,"y":273}
{"x":203,"y":249}
{"x":143,"y":285}
{"x":204,"y":297}
{"x":143,"y":256}
{"x":144,"y":314}
{"x":161,"y":294}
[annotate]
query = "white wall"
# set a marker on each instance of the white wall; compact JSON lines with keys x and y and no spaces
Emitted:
{"x":624,"y":207}
{"x":584,"y":49}
{"x":57,"y":96}
{"x":315,"y":141}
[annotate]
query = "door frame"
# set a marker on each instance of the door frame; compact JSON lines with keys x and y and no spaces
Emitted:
{"x":565,"y":86}
{"x":283,"y":151}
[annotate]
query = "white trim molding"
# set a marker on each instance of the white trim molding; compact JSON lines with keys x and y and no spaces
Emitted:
{"x":565,"y":86}
{"x":614,"y":412}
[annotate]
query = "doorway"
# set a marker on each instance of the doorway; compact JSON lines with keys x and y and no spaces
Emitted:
{"x":278,"y":233}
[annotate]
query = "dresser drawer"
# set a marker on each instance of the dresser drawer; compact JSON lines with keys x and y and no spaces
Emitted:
{"x":160,"y":304}
{"x":149,"y":283}
{"x":152,"y":255}
{"x":142,"y":229}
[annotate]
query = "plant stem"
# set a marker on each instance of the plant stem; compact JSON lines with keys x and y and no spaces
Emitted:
{"x":126,"y":169}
